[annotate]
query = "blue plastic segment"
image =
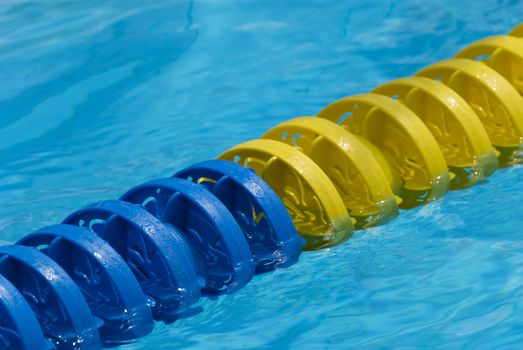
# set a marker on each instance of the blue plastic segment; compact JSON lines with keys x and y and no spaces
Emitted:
{"x":157,"y":254}
{"x":105,"y":280}
{"x":269,"y":230}
{"x":19,"y":328}
{"x":209,"y":228}
{"x":55,"y":299}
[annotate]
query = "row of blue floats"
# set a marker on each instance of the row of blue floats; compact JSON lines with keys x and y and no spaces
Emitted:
{"x":109,"y":270}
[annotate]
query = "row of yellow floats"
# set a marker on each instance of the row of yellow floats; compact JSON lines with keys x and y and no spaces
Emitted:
{"x":402,"y":145}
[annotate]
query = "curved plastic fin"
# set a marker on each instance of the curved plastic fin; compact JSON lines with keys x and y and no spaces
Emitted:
{"x":19,"y":328}
{"x":265,"y":223}
{"x":349,"y":164}
{"x":504,"y":54}
{"x":408,"y":146}
{"x":317,"y":210}
{"x":208,"y":226}
{"x":497,"y":103}
{"x":157,"y":254}
{"x":105,"y":280}
{"x":453,"y":123}
{"x":55,"y":299}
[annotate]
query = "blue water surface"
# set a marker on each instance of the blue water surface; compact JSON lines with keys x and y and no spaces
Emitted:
{"x":97,"y":96}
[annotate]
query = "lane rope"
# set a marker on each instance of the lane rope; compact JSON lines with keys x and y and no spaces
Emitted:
{"x":109,"y":270}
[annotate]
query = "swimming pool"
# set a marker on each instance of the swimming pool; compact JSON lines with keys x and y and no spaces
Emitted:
{"x":97,"y":97}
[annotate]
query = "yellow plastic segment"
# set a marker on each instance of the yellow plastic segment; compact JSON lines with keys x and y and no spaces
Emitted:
{"x":347,"y":162}
{"x":518,"y":31}
{"x":455,"y":126}
{"x":496,"y":102}
{"x":504,"y":54}
{"x":316,"y":208}
{"x":412,"y":153}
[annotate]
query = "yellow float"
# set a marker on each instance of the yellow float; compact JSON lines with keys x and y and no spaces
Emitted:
{"x":518,"y":31}
{"x":496,"y":102}
{"x":316,"y":208}
{"x":457,"y":129}
{"x":348,"y":163}
{"x":504,"y":54}
{"x":413,"y":160}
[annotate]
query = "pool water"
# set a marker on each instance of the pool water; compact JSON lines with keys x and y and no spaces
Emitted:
{"x":98,"y":96}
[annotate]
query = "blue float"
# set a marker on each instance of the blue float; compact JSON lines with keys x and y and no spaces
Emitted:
{"x":158,"y":255}
{"x":57,"y":302}
{"x":267,"y":226}
{"x":19,"y":328}
{"x":105,"y":280}
{"x":216,"y":239}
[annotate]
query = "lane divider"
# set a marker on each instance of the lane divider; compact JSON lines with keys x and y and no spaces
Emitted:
{"x":20,"y":327}
{"x":57,"y":302}
{"x":518,"y":31}
{"x":218,"y":247}
{"x":495,"y":101}
{"x":417,"y":166}
{"x":158,"y":255}
{"x":504,"y":54}
{"x":109,"y":270}
{"x":460,"y":135}
{"x":266,"y":225}
{"x":348,"y":163}
{"x":105,"y":280}
{"x":311,"y":199}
